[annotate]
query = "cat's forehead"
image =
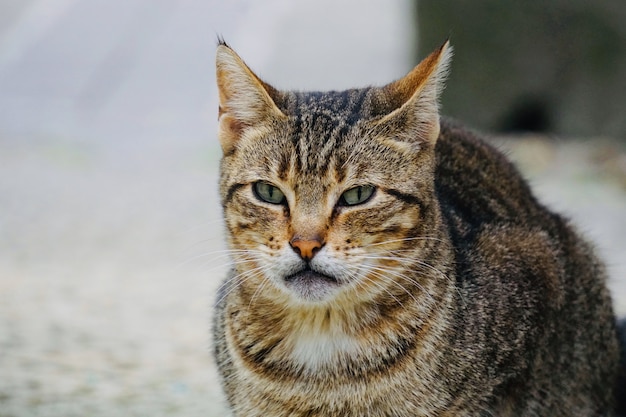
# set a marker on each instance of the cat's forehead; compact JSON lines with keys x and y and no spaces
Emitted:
{"x":347,"y":106}
{"x":326,"y":136}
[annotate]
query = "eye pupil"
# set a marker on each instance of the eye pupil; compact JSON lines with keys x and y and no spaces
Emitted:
{"x":268,"y":193}
{"x":356,"y":195}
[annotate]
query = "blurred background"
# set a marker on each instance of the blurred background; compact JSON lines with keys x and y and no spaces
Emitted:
{"x":110,"y":227}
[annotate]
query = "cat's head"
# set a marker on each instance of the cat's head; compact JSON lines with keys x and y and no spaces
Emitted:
{"x":328,"y":195}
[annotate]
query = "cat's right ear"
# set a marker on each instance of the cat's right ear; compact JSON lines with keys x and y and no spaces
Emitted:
{"x":245,"y":100}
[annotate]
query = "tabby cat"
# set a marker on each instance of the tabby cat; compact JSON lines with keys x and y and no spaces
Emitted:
{"x":389,"y":263}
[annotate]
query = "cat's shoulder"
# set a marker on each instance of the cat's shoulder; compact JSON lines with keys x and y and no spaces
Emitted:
{"x":478,"y":181}
{"x":457,"y":140}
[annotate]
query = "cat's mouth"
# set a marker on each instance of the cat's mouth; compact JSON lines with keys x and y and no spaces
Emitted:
{"x":311,"y":285}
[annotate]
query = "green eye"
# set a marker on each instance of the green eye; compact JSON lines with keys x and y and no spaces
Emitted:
{"x":268,"y":193}
{"x":357,"y":195}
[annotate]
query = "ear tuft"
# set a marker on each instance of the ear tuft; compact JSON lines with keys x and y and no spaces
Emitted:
{"x":244,"y":100}
{"x":221,"y":41}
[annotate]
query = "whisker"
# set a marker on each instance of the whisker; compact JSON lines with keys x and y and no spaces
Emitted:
{"x":384,"y":273}
{"x":231,"y":283}
{"x":395,"y":283}
{"x":409,"y":262}
{"x":231,"y":257}
{"x":259,"y":289}
{"x":406,"y":239}
{"x":360,"y":278}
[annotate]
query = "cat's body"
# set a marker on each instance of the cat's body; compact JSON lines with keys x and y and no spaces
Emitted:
{"x":389,"y":264}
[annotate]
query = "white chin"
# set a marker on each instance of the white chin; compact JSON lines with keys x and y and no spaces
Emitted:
{"x":311,"y":286}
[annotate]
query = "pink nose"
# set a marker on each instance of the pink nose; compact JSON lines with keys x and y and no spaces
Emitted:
{"x":306,"y":248}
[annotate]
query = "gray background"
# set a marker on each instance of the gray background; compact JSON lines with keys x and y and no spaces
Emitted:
{"x":110,"y":230}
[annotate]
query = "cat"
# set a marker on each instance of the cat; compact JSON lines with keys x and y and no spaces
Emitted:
{"x":386,"y":261}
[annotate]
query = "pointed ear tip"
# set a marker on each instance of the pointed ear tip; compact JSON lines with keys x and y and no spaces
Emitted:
{"x":225,"y":54}
{"x":222,"y":48}
{"x":446,"y":48}
{"x":445,"y":54}
{"x":221,"y":42}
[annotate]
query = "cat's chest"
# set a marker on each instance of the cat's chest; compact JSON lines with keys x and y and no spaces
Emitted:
{"x":317,"y":350}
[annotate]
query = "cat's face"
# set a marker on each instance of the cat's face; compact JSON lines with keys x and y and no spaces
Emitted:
{"x":326,"y":195}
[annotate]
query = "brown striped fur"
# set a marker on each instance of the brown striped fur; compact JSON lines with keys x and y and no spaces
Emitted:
{"x":449,"y":292}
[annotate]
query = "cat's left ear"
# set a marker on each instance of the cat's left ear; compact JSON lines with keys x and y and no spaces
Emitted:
{"x":245,"y":100}
{"x":414,"y":120}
